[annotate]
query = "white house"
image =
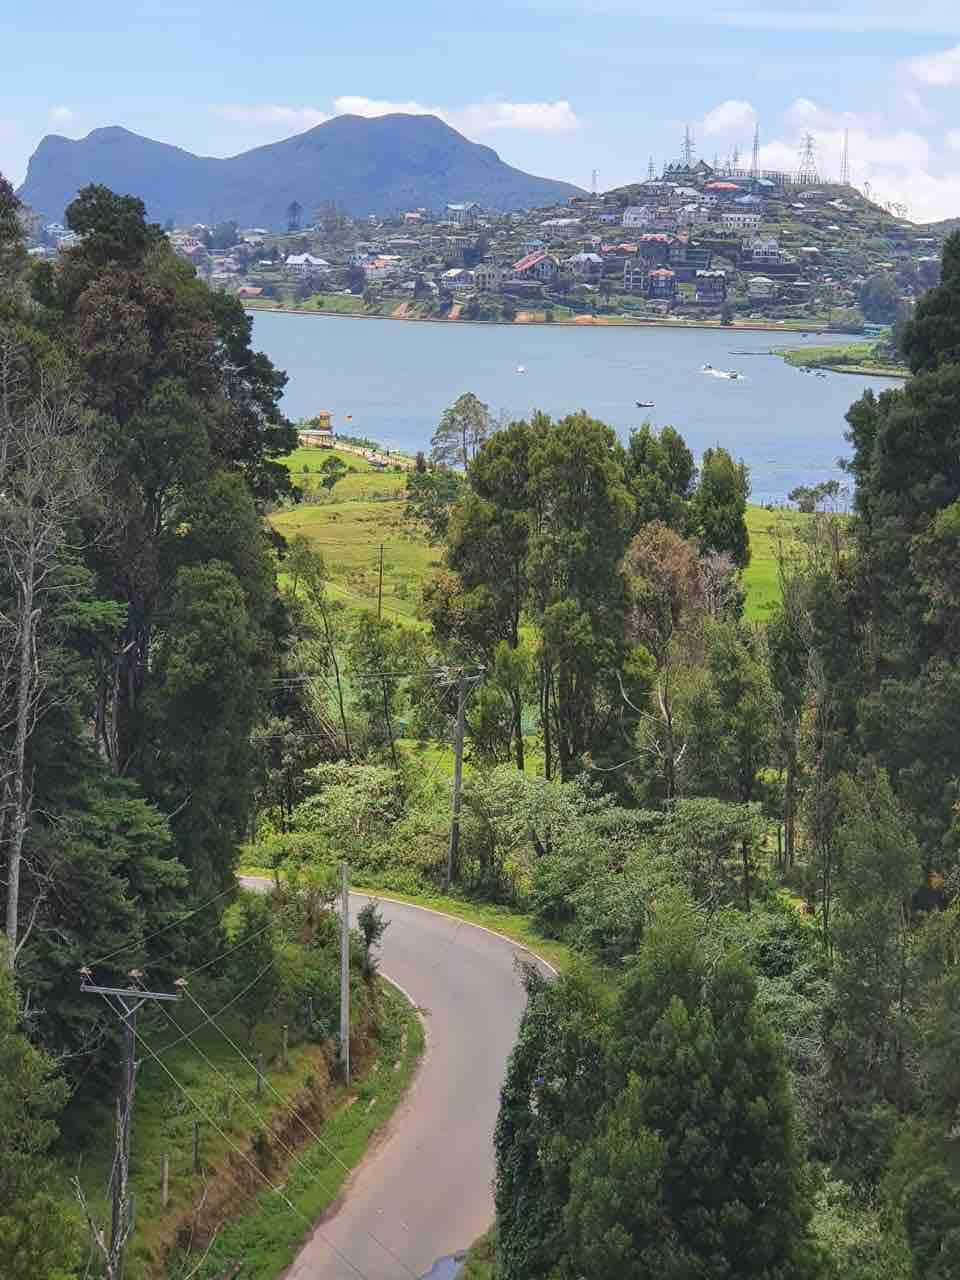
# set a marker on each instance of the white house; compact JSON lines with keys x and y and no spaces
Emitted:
{"x":634,"y":275}
{"x":586,"y":265}
{"x":764,"y":249}
{"x":739,"y":220}
{"x":303,"y":264}
{"x":761,"y":287}
{"x":636,"y":215}
{"x":536,"y":266}
{"x":463,"y":215}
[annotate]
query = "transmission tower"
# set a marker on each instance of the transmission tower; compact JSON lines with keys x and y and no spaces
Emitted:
{"x":735,"y":158}
{"x":808,"y":160}
{"x":845,"y":161}
{"x":688,"y":150}
{"x":867,"y":189}
{"x":651,"y":172}
{"x":593,"y":179}
{"x":755,"y":162}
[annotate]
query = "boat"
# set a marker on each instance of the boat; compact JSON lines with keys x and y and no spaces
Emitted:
{"x":521,"y":369}
{"x":646,"y":404}
{"x":732,"y":375}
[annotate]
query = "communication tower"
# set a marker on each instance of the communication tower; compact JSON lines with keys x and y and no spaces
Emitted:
{"x":867,"y":189}
{"x":845,"y":161}
{"x":593,"y":181}
{"x":651,"y":172}
{"x":755,"y":162}
{"x":808,"y":160}
{"x":689,"y":150}
{"x":735,"y":158}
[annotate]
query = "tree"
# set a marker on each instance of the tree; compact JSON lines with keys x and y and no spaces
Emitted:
{"x":294,"y":211}
{"x":38,"y":1237}
{"x":249,"y":928}
{"x":47,"y":478}
{"x":355,"y":279}
{"x":372,"y":927}
{"x":718,"y":508}
{"x":430,"y":496}
{"x":660,"y":471}
{"x":932,"y":337}
{"x":332,"y":471}
{"x":463,"y":428}
{"x":878,"y":297}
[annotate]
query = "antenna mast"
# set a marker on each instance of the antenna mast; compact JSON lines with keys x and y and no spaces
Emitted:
{"x":651,"y":172}
{"x":808,"y":160}
{"x":845,"y":162}
{"x":755,"y":162}
{"x":593,"y":178}
{"x":689,"y":149}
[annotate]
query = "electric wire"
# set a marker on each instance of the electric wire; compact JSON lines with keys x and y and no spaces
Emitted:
{"x":223,"y":954}
{"x":246,"y":1159}
{"x":157,"y":932}
{"x":313,"y":1133}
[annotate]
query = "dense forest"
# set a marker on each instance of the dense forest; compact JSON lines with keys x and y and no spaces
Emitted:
{"x":746,"y":835}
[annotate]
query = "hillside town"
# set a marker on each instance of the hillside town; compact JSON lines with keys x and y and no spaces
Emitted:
{"x":697,"y":242}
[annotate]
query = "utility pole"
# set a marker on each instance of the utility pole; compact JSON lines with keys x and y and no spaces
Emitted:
{"x":454,"y":846}
{"x":125,"y":1002}
{"x":380,"y":587}
{"x":344,"y":973}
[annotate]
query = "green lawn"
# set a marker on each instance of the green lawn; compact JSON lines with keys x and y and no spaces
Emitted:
{"x":761,"y":578}
{"x":350,"y":535}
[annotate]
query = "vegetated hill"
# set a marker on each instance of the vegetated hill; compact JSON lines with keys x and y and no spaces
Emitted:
{"x":363,"y":166}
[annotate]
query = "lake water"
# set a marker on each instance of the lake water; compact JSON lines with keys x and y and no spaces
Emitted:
{"x":394,"y":379}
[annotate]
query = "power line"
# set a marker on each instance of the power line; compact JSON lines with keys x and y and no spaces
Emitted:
{"x":243,"y":1156}
{"x":223,"y":955}
{"x":156,"y":934}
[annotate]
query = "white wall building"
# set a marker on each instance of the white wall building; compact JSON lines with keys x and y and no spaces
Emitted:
{"x":739,"y":220}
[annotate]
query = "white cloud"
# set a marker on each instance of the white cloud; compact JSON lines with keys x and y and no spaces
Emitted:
{"x":729,"y":117}
{"x":293,"y":118}
{"x":61,"y":115}
{"x":938,"y":70}
{"x":952,"y":139}
{"x":475,"y":118}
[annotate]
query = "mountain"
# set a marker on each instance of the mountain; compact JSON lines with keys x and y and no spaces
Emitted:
{"x":364,"y":166}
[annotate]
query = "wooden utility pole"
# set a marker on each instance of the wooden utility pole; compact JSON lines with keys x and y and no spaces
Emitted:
{"x":125,"y":1002}
{"x":454,"y":846}
{"x":344,"y":973}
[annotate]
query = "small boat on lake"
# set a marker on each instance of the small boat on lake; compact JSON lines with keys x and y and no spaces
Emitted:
{"x":646,"y":404}
{"x":521,"y":369}
{"x":732,"y":375}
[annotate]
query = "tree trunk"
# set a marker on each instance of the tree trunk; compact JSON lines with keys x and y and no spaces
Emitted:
{"x":518,"y":727}
{"x":17,"y":787}
{"x":789,"y":808}
{"x":545,"y":719}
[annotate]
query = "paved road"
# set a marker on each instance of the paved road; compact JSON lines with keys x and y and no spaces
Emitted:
{"x":425,"y":1191}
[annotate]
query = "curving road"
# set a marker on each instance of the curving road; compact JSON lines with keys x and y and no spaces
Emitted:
{"x":425,"y":1190}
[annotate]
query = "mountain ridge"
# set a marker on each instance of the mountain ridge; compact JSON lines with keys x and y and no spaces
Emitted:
{"x":363,"y":165}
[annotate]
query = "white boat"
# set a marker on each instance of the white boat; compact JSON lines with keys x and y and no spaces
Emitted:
{"x":521,"y":369}
{"x":731,"y":375}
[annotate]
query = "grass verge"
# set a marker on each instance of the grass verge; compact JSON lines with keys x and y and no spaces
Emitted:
{"x":267,"y":1238}
{"x":512,"y":924}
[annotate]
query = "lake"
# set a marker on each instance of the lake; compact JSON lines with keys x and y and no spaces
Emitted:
{"x":395,"y":378}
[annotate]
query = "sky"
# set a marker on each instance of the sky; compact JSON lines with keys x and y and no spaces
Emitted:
{"x":557,"y":87}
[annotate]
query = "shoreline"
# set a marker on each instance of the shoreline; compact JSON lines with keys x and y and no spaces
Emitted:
{"x":640,"y":323}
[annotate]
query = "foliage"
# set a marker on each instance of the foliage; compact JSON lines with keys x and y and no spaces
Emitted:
{"x":462,"y":429}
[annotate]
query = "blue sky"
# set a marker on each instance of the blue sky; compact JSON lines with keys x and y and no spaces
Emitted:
{"x":558,"y":87}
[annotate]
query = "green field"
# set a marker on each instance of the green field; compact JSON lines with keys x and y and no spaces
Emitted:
{"x":761,"y":578}
{"x":363,"y":481}
{"x":350,"y":533}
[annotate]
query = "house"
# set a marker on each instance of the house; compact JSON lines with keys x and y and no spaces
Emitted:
{"x":249,"y":291}
{"x":488,"y":277}
{"x":536,"y":266}
{"x":457,"y":279}
{"x":586,"y":265}
{"x":711,"y":286}
{"x":304,"y":264}
{"x":318,"y":432}
{"x":413,"y":217}
{"x":532,"y":245}
{"x":382,"y":267}
{"x":763,"y":249}
{"x":636,"y":215}
{"x":464,"y":215}
{"x":739,"y":220}
{"x":634,"y":275}
{"x":662,"y":283}
{"x":759,"y":287}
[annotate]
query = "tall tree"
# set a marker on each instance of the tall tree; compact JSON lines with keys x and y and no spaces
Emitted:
{"x":462,"y":429}
{"x":718,"y":508}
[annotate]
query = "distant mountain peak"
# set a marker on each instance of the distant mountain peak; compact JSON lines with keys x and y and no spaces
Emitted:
{"x":363,"y":165}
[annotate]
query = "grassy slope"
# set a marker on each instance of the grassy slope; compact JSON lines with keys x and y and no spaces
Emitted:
{"x":350,"y":534}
